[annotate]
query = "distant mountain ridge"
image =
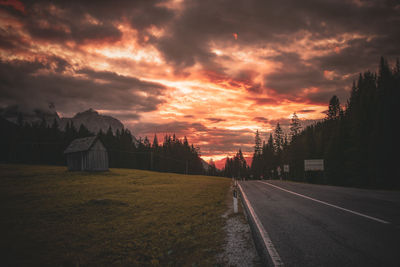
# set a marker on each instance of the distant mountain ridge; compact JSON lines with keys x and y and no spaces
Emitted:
{"x":93,"y":121}
{"x":90,"y":118}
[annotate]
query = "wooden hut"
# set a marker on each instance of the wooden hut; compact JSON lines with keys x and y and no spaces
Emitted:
{"x":86,"y":154}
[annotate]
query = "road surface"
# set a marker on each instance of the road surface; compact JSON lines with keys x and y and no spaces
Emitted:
{"x":314,"y":225}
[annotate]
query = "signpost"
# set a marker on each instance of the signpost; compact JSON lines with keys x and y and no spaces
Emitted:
{"x":286,"y":168}
{"x":314,"y":171}
{"x":278,"y":169}
{"x":313,"y":164}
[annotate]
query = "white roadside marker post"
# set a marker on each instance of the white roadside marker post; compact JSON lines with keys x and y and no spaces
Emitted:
{"x":235,"y":201}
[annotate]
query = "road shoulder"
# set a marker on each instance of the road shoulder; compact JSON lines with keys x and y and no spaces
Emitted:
{"x":239,"y":247}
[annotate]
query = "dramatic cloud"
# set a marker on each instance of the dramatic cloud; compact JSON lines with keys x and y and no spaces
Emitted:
{"x":214,"y":71}
{"x":261,"y":119}
{"x":215,"y":120}
{"x":30,"y":84}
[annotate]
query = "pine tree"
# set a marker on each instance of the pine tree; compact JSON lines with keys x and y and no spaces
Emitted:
{"x":295,"y":126}
{"x":278,"y":137}
{"x":240,"y":165}
{"x":109,"y":133}
{"x":74,"y":132}
{"x":185,"y":142}
{"x":268,"y":156}
{"x":212,"y":170}
{"x":257,"y":144}
{"x":334,"y":109}
{"x":83,"y":131}
{"x":270,"y":143}
{"x":155,"y":142}
{"x":146,"y":143}
{"x":285,"y":141}
{"x":256,"y":164}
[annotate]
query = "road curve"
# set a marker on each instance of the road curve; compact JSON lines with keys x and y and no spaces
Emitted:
{"x":314,"y":225}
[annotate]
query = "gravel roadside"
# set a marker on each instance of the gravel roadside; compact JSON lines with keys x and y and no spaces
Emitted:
{"x":239,"y":249}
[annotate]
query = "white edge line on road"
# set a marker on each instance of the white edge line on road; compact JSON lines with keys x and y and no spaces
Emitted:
{"x":276,"y":259}
{"x":328,"y":204}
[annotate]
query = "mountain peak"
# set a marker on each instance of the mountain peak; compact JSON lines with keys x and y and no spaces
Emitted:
{"x":90,"y":118}
{"x":94,"y":121}
{"x":88,"y":112}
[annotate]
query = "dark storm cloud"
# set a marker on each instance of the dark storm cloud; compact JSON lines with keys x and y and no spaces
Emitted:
{"x":215,"y":120}
{"x":81,"y":21}
{"x":191,"y":31}
{"x":261,"y":119}
{"x":60,"y":63}
{"x":297,"y":74}
{"x":273,"y":22}
{"x":361,"y":54}
{"x":78,"y":33}
{"x":371,"y":28}
{"x":12,"y":41}
{"x":122,"y":82}
{"x":35,"y":84}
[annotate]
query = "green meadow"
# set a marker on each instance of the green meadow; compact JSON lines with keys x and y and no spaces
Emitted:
{"x":51,"y":217}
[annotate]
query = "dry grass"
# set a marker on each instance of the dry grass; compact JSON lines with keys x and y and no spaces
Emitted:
{"x":122,"y":217}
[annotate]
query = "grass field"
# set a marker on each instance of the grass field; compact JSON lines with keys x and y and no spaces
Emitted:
{"x":122,"y":217}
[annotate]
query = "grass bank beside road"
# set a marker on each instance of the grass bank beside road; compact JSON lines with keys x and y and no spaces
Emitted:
{"x":121,"y":217}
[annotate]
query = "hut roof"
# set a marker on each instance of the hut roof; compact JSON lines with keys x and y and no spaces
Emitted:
{"x":80,"y":145}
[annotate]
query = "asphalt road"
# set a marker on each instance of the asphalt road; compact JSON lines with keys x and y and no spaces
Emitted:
{"x":314,"y":225}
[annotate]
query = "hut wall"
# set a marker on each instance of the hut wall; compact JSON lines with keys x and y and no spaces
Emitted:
{"x":74,"y":161}
{"x":97,"y":158}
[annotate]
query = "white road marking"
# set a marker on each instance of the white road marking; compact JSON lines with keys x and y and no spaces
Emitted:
{"x":276,"y":259}
{"x":328,"y":204}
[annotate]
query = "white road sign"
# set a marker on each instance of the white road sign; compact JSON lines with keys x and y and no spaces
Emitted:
{"x":286,"y":168}
{"x":313,"y":164}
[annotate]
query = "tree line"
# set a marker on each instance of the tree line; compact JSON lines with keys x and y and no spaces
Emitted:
{"x":357,"y":140}
{"x":40,"y":143}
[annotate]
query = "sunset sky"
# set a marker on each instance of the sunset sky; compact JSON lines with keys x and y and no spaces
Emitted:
{"x":215,"y":71}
